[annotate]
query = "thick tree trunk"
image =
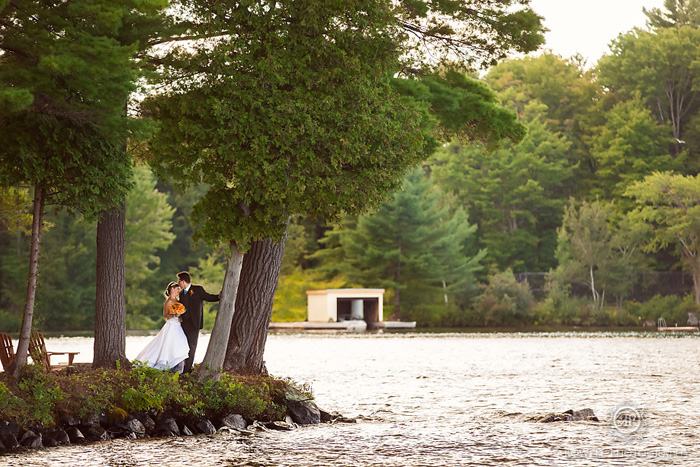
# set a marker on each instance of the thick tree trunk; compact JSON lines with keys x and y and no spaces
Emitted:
{"x":110,"y":304}
{"x":216,"y":350}
{"x":28,"y":316}
{"x":246,"y":344}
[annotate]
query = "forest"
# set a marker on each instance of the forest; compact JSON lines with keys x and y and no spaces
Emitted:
{"x":589,"y":217}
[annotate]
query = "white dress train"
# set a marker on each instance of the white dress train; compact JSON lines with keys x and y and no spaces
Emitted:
{"x":168,"y":348}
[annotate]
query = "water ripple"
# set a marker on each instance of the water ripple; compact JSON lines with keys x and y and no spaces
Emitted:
{"x":449,"y":400}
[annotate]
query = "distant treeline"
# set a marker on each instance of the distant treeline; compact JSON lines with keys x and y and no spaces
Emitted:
{"x":601,"y":199}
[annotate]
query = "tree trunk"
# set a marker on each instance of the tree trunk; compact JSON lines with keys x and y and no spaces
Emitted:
{"x":246,"y":344}
{"x":110,"y":304}
{"x":594,"y":292}
{"x":26,"y":329}
{"x":213,"y":362}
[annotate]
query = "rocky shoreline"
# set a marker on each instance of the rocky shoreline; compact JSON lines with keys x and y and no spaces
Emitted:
{"x":137,"y":425}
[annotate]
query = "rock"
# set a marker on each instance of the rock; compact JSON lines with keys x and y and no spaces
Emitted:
{"x":133,"y":425}
{"x":96,"y":433}
{"x":69,"y":420}
{"x":255,"y":426}
{"x":304,"y":412}
{"x":583,"y":414}
{"x":9,"y":427}
{"x":166,"y":423}
{"x":280,"y":426}
{"x":147,"y":421}
{"x":343,"y":419}
{"x":9,"y":441}
{"x":335,"y":417}
{"x":116,"y":415}
{"x":56,"y":437}
{"x":75,"y":435}
{"x":104,"y":420}
{"x":326,"y":417}
{"x":205,"y":426}
{"x":235,"y":421}
{"x":302,"y":409}
{"x":555,"y":417}
{"x":185,"y":430}
{"x":90,"y":420}
{"x":166,"y":433}
{"x":31,"y":439}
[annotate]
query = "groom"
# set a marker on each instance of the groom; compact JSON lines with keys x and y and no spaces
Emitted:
{"x":193,"y":297}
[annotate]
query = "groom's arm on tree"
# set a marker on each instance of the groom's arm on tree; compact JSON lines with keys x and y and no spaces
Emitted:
{"x":206,"y":296}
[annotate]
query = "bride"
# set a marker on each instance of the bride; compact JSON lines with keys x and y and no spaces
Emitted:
{"x":169,"y":349}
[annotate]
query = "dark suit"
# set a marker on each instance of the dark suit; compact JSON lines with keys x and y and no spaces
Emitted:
{"x":193,"y":318}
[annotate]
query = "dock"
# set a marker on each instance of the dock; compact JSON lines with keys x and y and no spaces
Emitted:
{"x":349,"y":325}
{"x":662,"y":327}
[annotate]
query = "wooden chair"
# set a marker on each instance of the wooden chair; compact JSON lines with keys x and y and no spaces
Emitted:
{"x":38,"y":352}
{"x":7,"y":352}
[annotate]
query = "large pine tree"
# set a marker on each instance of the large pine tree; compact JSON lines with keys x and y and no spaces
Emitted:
{"x":415,"y":245}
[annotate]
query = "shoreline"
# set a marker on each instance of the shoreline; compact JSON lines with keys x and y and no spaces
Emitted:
{"x":79,"y":404}
{"x":416,"y":330}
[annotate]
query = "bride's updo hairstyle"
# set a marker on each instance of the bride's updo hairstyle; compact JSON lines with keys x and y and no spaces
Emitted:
{"x":169,"y":288}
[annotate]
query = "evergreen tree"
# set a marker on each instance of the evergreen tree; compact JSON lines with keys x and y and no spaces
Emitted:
{"x":142,"y":26}
{"x":678,"y":13}
{"x":67,"y":78}
{"x":515,"y":194}
{"x":66,"y":296}
{"x":415,"y":245}
{"x":148,"y":232}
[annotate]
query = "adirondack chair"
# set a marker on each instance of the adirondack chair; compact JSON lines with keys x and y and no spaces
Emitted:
{"x":38,"y":352}
{"x":7,"y":352}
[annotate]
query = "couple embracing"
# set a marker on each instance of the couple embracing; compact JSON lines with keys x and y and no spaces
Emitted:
{"x":174,"y":347}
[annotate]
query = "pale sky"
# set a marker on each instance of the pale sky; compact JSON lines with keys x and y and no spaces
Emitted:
{"x":588,"y":26}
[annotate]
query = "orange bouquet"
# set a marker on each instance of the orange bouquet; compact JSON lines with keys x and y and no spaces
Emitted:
{"x":177,"y":309}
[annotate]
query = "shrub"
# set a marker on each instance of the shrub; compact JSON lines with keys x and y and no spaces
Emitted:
{"x":10,"y":405}
{"x":230,"y":395}
{"x":559,"y":307}
{"x":672,"y":308}
{"x":41,"y":398}
{"x":505,"y":301}
{"x":612,"y":316}
{"x":149,"y":389}
{"x":90,"y":393}
{"x":40,"y":393}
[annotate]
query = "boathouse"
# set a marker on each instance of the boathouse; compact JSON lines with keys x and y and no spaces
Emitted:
{"x":345,"y":309}
{"x":336,"y":305}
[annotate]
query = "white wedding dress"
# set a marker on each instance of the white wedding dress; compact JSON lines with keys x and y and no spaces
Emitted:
{"x":168,"y":349}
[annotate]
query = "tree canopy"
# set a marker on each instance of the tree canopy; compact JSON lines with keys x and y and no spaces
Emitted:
{"x":66,"y":76}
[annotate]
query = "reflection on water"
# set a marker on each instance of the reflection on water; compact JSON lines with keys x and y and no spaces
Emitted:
{"x":447,"y":399}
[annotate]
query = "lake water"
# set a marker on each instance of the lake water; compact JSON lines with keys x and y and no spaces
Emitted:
{"x":449,"y":399}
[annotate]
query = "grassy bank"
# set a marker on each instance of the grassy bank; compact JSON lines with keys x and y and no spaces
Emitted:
{"x":44,"y":399}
